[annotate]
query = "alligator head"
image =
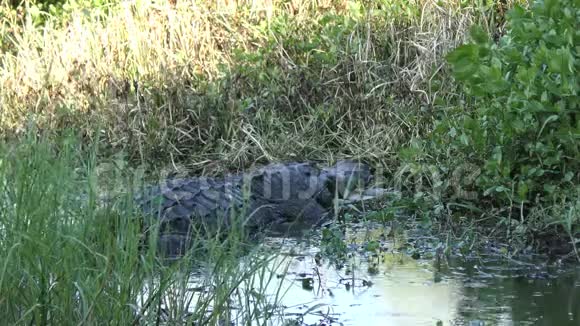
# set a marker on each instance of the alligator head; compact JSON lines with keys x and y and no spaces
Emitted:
{"x":305,"y":181}
{"x":342,"y":180}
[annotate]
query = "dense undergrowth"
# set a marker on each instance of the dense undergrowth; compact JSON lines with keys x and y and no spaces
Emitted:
{"x":483,"y":134}
{"x":517,"y":131}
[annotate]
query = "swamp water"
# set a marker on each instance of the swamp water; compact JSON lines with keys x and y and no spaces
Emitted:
{"x":399,"y":290}
{"x":392,"y":288}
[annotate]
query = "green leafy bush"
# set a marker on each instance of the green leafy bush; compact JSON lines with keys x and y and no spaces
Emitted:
{"x":522,"y":127}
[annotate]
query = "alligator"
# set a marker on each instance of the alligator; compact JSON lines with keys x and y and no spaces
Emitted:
{"x":277,"y":197}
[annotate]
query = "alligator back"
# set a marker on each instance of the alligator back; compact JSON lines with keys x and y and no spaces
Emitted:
{"x":286,"y":182}
{"x":276,"y":196}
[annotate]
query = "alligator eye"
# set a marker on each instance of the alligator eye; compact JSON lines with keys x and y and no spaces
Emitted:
{"x":331,"y":184}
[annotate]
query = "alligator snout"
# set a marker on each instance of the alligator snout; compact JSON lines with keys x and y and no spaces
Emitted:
{"x":346,"y":176}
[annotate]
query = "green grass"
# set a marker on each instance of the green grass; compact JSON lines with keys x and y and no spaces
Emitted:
{"x":67,"y":259}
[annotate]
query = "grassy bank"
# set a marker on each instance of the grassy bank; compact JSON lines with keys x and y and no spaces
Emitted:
{"x":219,"y":86}
{"x":200,"y":82}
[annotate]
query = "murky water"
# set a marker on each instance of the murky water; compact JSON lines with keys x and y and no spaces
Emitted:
{"x":401,"y":292}
{"x":392,"y":288}
{"x":398,"y":290}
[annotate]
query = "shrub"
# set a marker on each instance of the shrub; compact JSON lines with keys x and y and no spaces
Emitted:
{"x":521,"y":127}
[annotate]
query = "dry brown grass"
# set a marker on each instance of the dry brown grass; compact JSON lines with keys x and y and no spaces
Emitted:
{"x":163,"y":82}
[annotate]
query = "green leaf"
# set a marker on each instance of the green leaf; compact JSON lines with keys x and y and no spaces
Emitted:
{"x":549,"y":188}
{"x":501,"y":189}
{"x":523,"y":190}
{"x":464,"y":139}
{"x":525,"y":75}
{"x":479,"y":35}
{"x":464,"y":61}
{"x":560,"y":61}
{"x":552,"y":8}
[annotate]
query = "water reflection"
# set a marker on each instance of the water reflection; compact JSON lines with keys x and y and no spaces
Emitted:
{"x":403,"y":292}
{"x":399,"y":290}
{"x":515,"y":294}
{"x":487,"y":291}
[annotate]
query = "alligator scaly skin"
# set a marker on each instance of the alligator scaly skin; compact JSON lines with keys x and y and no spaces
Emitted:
{"x":278,"y":197}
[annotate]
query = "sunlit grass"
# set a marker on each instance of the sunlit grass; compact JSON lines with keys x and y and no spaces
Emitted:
{"x":233,"y":81}
{"x":67,"y":258}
